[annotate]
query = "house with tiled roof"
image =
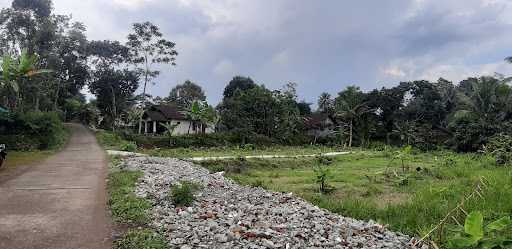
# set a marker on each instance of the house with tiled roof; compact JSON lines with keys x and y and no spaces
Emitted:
{"x":156,"y":115}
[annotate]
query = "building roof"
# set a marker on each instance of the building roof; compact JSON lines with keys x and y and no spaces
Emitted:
{"x":317,"y":120}
{"x":164,"y":113}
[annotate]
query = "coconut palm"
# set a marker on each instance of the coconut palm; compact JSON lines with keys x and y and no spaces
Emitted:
{"x":325,"y":103}
{"x":350,"y":107}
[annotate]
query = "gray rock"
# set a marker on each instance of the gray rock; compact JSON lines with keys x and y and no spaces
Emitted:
{"x":227,"y":215}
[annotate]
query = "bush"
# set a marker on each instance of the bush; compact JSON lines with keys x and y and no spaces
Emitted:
{"x":183,"y":194}
{"x":128,"y":146}
{"x":109,"y":139}
{"x":33,"y":130}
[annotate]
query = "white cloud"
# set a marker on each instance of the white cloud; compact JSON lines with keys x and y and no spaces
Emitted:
{"x":321,"y":44}
{"x":395,"y":72}
{"x":224,"y":68}
{"x":130,"y":4}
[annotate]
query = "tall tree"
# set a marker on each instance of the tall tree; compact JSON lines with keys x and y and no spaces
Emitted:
{"x":113,"y":89}
{"x":30,"y":25}
{"x":185,"y":94}
{"x":258,"y":110}
{"x":350,"y":107}
{"x":325,"y":103}
{"x":112,"y":86}
{"x":147,"y":47}
{"x":238,"y":83}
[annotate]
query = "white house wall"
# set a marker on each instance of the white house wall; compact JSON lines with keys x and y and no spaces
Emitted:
{"x":183,"y":128}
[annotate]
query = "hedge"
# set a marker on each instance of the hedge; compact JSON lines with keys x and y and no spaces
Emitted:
{"x":210,"y":140}
{"x":32,"y":130}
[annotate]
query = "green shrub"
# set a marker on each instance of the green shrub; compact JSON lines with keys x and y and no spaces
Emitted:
{"x":183,"y":193}
{"x":109,"y":139}
{"x":500,"y":146}
{"x":141,"y":239}
{"x":128,"y":146}
{"x":32,"y":130}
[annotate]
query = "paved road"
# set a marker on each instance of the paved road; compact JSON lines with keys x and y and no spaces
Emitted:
{"x":59,"y":203}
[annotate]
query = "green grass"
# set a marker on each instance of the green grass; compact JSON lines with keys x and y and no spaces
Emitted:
{"x":110,"y":140}
{"x":239,"y":151}
{"x":370,"y":185}
{"x":17,"y":158}
{"x":125,"y":206}
{"x":128,"y":209}
{"x":141,"y":239}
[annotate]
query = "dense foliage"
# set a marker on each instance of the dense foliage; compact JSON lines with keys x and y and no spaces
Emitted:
{"x":32,"y":130}
{"x":427,"y":115}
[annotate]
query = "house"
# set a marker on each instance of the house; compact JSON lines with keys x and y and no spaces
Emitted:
{"x":320,"y":125}
{"x":156,"y":115}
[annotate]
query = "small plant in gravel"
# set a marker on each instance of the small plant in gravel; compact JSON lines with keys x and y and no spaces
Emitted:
{"x":182,"y":194}
{"x":128,"y":146}
{"x":141,"y":239}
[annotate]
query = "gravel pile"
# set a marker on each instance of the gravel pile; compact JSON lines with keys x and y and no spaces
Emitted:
{"x":227,"y":215}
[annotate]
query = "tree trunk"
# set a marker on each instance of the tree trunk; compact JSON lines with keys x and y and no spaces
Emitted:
{"x":146,"y":78}
{"x":351,"y":133}
{"x":36,"y":107}
{"x":114,"y":109}
{"x":57,"y":92}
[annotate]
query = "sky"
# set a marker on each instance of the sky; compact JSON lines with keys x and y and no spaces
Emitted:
{"x":323,"y":45}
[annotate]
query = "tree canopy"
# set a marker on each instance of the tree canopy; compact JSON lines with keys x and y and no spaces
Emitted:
{"x":185,"y":94}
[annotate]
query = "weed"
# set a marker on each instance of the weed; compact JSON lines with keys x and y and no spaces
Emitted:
{"x":128,"y":146}
{"x":183,"y":194}
{"x":322,"y":174}
{"x":138,"y":239}
{"x":258,"y":184}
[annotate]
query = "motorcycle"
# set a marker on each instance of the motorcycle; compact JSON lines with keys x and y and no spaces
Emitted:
{"x":3,"y":154}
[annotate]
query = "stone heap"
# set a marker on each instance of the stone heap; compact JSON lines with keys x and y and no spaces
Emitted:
{"x":228,"y":215}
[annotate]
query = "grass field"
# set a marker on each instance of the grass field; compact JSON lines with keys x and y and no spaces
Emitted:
{"x":239,"y":151}
{"x":373,"y":185}
{"x":16,"y":158}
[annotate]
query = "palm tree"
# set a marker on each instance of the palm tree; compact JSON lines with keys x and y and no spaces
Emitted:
{"x":325,"y":102}
{"x":350,"y":107}
{"x":202,"y":113}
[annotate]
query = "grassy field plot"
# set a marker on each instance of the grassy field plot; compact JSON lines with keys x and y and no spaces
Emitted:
{"x":240,"y":151}
{"x":411,"y":197}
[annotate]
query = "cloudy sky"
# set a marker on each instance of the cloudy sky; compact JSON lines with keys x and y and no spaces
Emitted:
{"x":322,"y":45}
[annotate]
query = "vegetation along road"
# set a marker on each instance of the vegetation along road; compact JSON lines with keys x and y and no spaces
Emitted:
{"x":59,"y":203}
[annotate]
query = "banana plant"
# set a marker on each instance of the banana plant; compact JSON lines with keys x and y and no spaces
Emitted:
{"x":169,"y":130}
{"x":14,"y":70}
{"x":202,"y":113}
{"x":496,"y":235}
